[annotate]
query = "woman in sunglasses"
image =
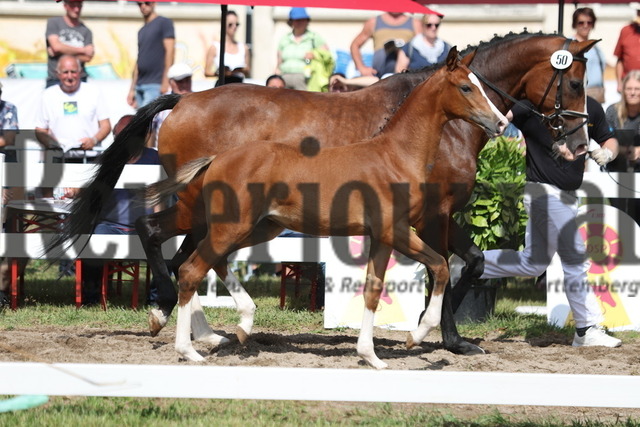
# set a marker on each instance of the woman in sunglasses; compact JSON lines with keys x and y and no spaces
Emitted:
{"x":425,"y":48}
{"x":237,"y":58}
{"x":584,"y":21}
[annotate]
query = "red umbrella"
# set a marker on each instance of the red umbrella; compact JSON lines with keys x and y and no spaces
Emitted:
{"x":409,"y":6}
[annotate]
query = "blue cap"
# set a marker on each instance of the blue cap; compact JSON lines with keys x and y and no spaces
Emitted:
{"x":298,"y":13}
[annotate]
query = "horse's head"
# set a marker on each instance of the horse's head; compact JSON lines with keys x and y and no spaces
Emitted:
{"x":466,"y":98}
{"x":556,"y":85}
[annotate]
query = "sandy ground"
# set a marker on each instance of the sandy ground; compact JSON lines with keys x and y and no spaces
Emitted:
{"x":336,"y":349}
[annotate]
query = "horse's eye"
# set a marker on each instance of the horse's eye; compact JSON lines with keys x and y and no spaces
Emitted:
{"x":575,"y":84}
{"x":465,"y":88}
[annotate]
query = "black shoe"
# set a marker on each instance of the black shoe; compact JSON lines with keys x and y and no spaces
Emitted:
{"x":5,"y":302}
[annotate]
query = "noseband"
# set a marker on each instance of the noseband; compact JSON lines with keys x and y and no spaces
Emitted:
{"x":556,"y":120}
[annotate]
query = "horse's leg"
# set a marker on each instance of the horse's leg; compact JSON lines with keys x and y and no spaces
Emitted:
{"x":462,"y":245}
{"x":200,"y":329}
{"x":192,"y":272}
{"x":378,"y":259}
{"x":418,"y":250}
{"x":264,"y":231}
{"x":154,"y":230}
{"x":450,"y":236}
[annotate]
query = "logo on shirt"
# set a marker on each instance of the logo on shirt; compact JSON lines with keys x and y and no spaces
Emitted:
{"x":70,"y":107}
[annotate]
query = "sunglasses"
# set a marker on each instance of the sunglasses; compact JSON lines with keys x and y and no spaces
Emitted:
{"x":232,"y":24}
{"x":585,"y":23}
{"x":432,"y":25}
{"x":145,"y":3}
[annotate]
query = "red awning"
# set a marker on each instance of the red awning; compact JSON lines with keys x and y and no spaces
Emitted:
{"x":408,"y":6}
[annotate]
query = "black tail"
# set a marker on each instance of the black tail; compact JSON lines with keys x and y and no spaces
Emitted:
{"x":86,"y":207}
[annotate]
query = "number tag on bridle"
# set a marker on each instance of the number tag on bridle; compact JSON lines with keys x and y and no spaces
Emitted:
{"x":561,"y":59}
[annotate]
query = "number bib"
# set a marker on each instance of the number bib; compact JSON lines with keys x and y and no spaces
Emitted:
{"x":561,"y":59}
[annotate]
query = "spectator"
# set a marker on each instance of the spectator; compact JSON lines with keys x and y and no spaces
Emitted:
{"x":425,"y":48}
{"x":389,"y":31}
{"x":67,"y":35}
{"x":584,"y":20}
{"x":8,"y":127}
{"x":296,"y":50}
{"x":275,"y":81}
{"x":552,"y":205}
{"x":73,"y":116}
{"x":338,"y":83}
{"x":156,"y":44}
{"x":628,"y":49}
{"x":118,"y":217}
{"x":237,"y":57}
{"x":625,"y":114}
{"x":179,"y":82}
{"x":8,"y":130}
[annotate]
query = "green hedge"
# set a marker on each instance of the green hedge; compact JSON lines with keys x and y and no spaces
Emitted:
{"x":495,"y":216}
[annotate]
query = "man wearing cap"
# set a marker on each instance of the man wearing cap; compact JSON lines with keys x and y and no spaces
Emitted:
{"x":179,"y":76}
{"x":156,"y":45}
{"x":389,"y":32}
{"x":67,"y":35}
{"x":628,"y":48}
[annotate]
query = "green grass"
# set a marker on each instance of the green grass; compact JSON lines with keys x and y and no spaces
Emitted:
{"x":102,"y":411}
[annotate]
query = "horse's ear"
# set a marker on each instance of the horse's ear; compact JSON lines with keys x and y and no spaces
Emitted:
{"x":583,"y":47}
{"x":467,"y":60}
{"x":452,"y":58}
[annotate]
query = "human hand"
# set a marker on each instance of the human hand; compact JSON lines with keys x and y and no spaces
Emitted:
{"x":131,"y":99}
{"x":601,"y":156}
{"x":88,"y":143}
{"x":367,"y":71}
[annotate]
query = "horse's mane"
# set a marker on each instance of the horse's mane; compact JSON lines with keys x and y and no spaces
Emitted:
{"x":496,"y":42}
{"x":484,"y":45}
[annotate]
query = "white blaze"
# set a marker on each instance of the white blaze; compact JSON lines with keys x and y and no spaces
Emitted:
{"x":475,"y":81}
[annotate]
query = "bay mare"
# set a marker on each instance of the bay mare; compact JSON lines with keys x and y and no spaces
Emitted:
{"x":210,"y":122}
{"x":251,"y":193}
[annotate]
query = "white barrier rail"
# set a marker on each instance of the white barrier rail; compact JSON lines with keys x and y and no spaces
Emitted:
{"x":350,"y":385}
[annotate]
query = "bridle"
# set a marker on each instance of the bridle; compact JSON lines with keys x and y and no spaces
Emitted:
{"x":556,"y":120}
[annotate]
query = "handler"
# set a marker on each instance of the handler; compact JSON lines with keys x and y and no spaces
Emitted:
{"x":551,"y":202}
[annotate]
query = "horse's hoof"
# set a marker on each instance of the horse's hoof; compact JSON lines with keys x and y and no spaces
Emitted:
{"x":410,"y":342}
{"x":370,"y":358}
{"x":157,"y":321}
{"x":465,"y":348}
{"x":242,"y":335}
{"x":191,"y":356}
{"x":186,"y":351}
{"x":376,"y":363}
{"x":214,"y":340}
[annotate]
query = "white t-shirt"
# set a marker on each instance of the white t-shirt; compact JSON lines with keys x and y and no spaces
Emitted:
{"x":72,"y":116}
{"x":231,"y":60}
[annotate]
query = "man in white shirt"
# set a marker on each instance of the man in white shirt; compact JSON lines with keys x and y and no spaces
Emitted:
{"x":73,"y":117}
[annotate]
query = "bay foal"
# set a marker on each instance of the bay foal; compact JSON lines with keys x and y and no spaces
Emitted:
{"x":368,"y":188}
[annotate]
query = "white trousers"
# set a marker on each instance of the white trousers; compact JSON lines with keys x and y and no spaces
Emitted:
{"x":551,"y":228}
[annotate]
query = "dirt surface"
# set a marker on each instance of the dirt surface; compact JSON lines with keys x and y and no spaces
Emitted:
{"x":336,"y":349}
